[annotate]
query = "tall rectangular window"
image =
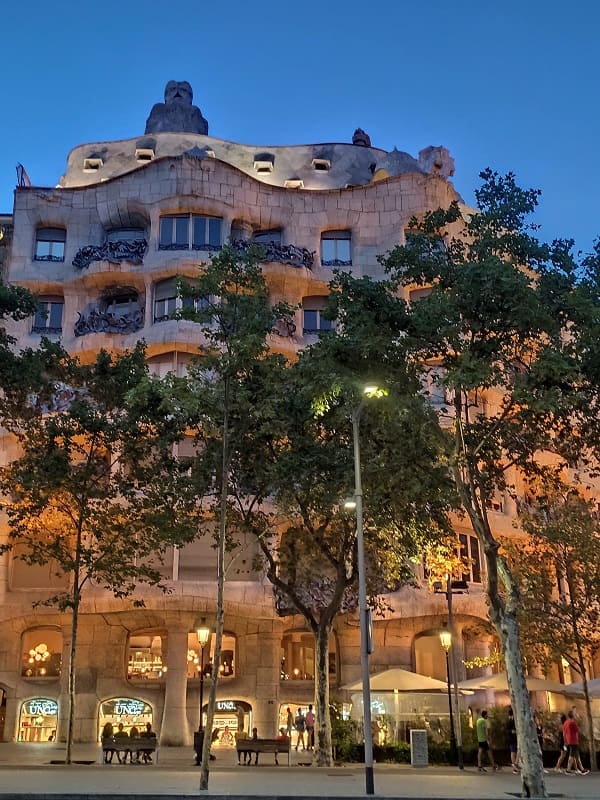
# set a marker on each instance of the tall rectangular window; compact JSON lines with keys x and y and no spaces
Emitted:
{"x":48,"y":317}
{"x":190,"y":231}
{"x":336,"y":249}
{"x":50,"y":244}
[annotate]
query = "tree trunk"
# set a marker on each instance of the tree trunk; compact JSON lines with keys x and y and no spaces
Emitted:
{"x":323,"y":750}
{"x":502,"y":610}
{"x":212,"y":696}
{"x":71,"y":681}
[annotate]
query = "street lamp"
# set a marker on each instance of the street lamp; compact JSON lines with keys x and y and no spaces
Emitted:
{"x":363,"y":612}
{"x":203,"y":634}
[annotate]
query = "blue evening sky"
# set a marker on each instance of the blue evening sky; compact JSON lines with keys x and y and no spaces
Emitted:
{"x":511,"y":85}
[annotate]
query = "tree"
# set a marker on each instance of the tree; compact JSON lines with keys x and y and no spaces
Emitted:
{"x":230,"y":301}
{"x":297,"y":468}
{"x":93,"y":492}
{"x":509,"y":332}
{"x":558,"y":567}
{"x":16,"y":303}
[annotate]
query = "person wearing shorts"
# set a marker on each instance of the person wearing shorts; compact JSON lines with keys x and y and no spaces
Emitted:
{"x":483,"y":743}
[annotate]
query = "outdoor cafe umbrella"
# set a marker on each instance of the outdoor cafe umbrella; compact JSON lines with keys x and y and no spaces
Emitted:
{"x":399,"y":680}
{"x":499,"y":683}
{"x":593,"y":688}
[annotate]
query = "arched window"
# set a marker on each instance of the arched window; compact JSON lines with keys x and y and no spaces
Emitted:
{"x":38,"y":720}
{"x":298,"y":656}
{"x":41,"y":650}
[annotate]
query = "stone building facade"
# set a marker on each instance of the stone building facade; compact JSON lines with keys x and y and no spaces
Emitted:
{"x":102,"y":251}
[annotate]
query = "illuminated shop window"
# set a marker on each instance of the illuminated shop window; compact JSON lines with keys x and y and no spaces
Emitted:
{"x":41,"y":653}
{"x":298,"y":656}
{"x":145,"y":658}
{"x":127,"y":710}
{"x":38,"y":720}
{"x":194,"y":656}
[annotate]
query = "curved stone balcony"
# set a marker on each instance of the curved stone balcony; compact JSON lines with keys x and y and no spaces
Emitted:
{"x":277,"y":253}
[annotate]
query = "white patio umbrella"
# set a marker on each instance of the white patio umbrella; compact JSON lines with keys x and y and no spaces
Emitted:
{"x":499,"y":683}
{"x":593,"y":688}
{"x":400,"y":680}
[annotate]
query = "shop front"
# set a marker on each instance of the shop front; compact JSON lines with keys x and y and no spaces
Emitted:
{"x":232,"y":718}
{"x":126,"y":710}
{"x":38,"y":720}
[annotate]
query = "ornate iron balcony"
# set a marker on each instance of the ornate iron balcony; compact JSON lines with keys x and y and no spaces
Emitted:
{"x":132,"y":250}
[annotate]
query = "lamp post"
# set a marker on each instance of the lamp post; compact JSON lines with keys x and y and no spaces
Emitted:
{"x":446,"y":642}
{"x":203,"y":634}
{"x":363,"y":610}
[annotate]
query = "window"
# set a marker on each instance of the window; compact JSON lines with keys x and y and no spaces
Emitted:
{"x":267,"y":237}
{"x":125,"y":235}
{"x":167,"y":300}
{"x":313,"y":320}
{"x":415,"y":295}
{"x":469,"y":549}
{"x":48,"y":317}
{"x":264,"y":162}
{"x":335,"y":249}
{"x":294,"y":183}
{"x":50,"y":244}
{"x":92,"y":164}
{"x":144,"y":154}
{"x":321,"y":164}
{"x":41,"y":653}
{"x":194,"y":656}
{"x":144,"y":661}
{"x":298,"y":656}
{"x":190,"y":231}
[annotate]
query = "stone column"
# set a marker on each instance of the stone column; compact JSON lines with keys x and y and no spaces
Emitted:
{"x":174,"y":730}
{"x":268,"y":666}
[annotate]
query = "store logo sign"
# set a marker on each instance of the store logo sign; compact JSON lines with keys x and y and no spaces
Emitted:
{"x":226,"y":705}
{"x":47,"y":708}
{"x":132,"y":707}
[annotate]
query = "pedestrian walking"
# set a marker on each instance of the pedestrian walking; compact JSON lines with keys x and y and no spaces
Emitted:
{"x":571,"y":734}
{"x":483,"y":742}
{"x":561,"y":745}
{"x":513,"y":743}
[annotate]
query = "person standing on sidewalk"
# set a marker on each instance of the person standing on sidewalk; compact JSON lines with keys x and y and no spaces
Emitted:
{"x":513,"y":744}
{"x":571,"y":734}
{"x":483,"y":742}
{"x":561,"y":745}
{"x":310,"y":728}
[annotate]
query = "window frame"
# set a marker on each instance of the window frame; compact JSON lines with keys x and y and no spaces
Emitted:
{"x":42,"y":318}
{"x":56,"y":238}
{"x":190,"y":224}
{"x":174,"y":301}
{"x":337,"y":236}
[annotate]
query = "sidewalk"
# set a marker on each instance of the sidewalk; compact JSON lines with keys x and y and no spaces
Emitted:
{"x":26,"y":773}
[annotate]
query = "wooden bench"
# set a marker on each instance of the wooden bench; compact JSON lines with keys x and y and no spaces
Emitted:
{"x":246,"y":747}
{"x":142,"y":745}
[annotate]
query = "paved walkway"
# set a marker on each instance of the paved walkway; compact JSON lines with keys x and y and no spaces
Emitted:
{"x":26,"y":772}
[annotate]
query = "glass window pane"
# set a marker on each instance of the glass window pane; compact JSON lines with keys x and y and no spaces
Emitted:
{"x":166,"y":231}
{"x":55,"y":320}
{"x":199,"y":231}
{"x":310,"y":320}
{"x":343,"y":249}
{"x":326,"y":324}
{"x":40,"y":319}
{"x":328,"y":249}
{"x":181,"y":230}
{"x":214,"y":232}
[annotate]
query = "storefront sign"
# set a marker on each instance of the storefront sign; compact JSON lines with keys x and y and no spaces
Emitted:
{"x":41,"y":706}
{"x":125,"y":706}
{"x":226,"y":705}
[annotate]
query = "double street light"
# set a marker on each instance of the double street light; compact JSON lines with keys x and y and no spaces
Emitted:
{"x":366,"y":644}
